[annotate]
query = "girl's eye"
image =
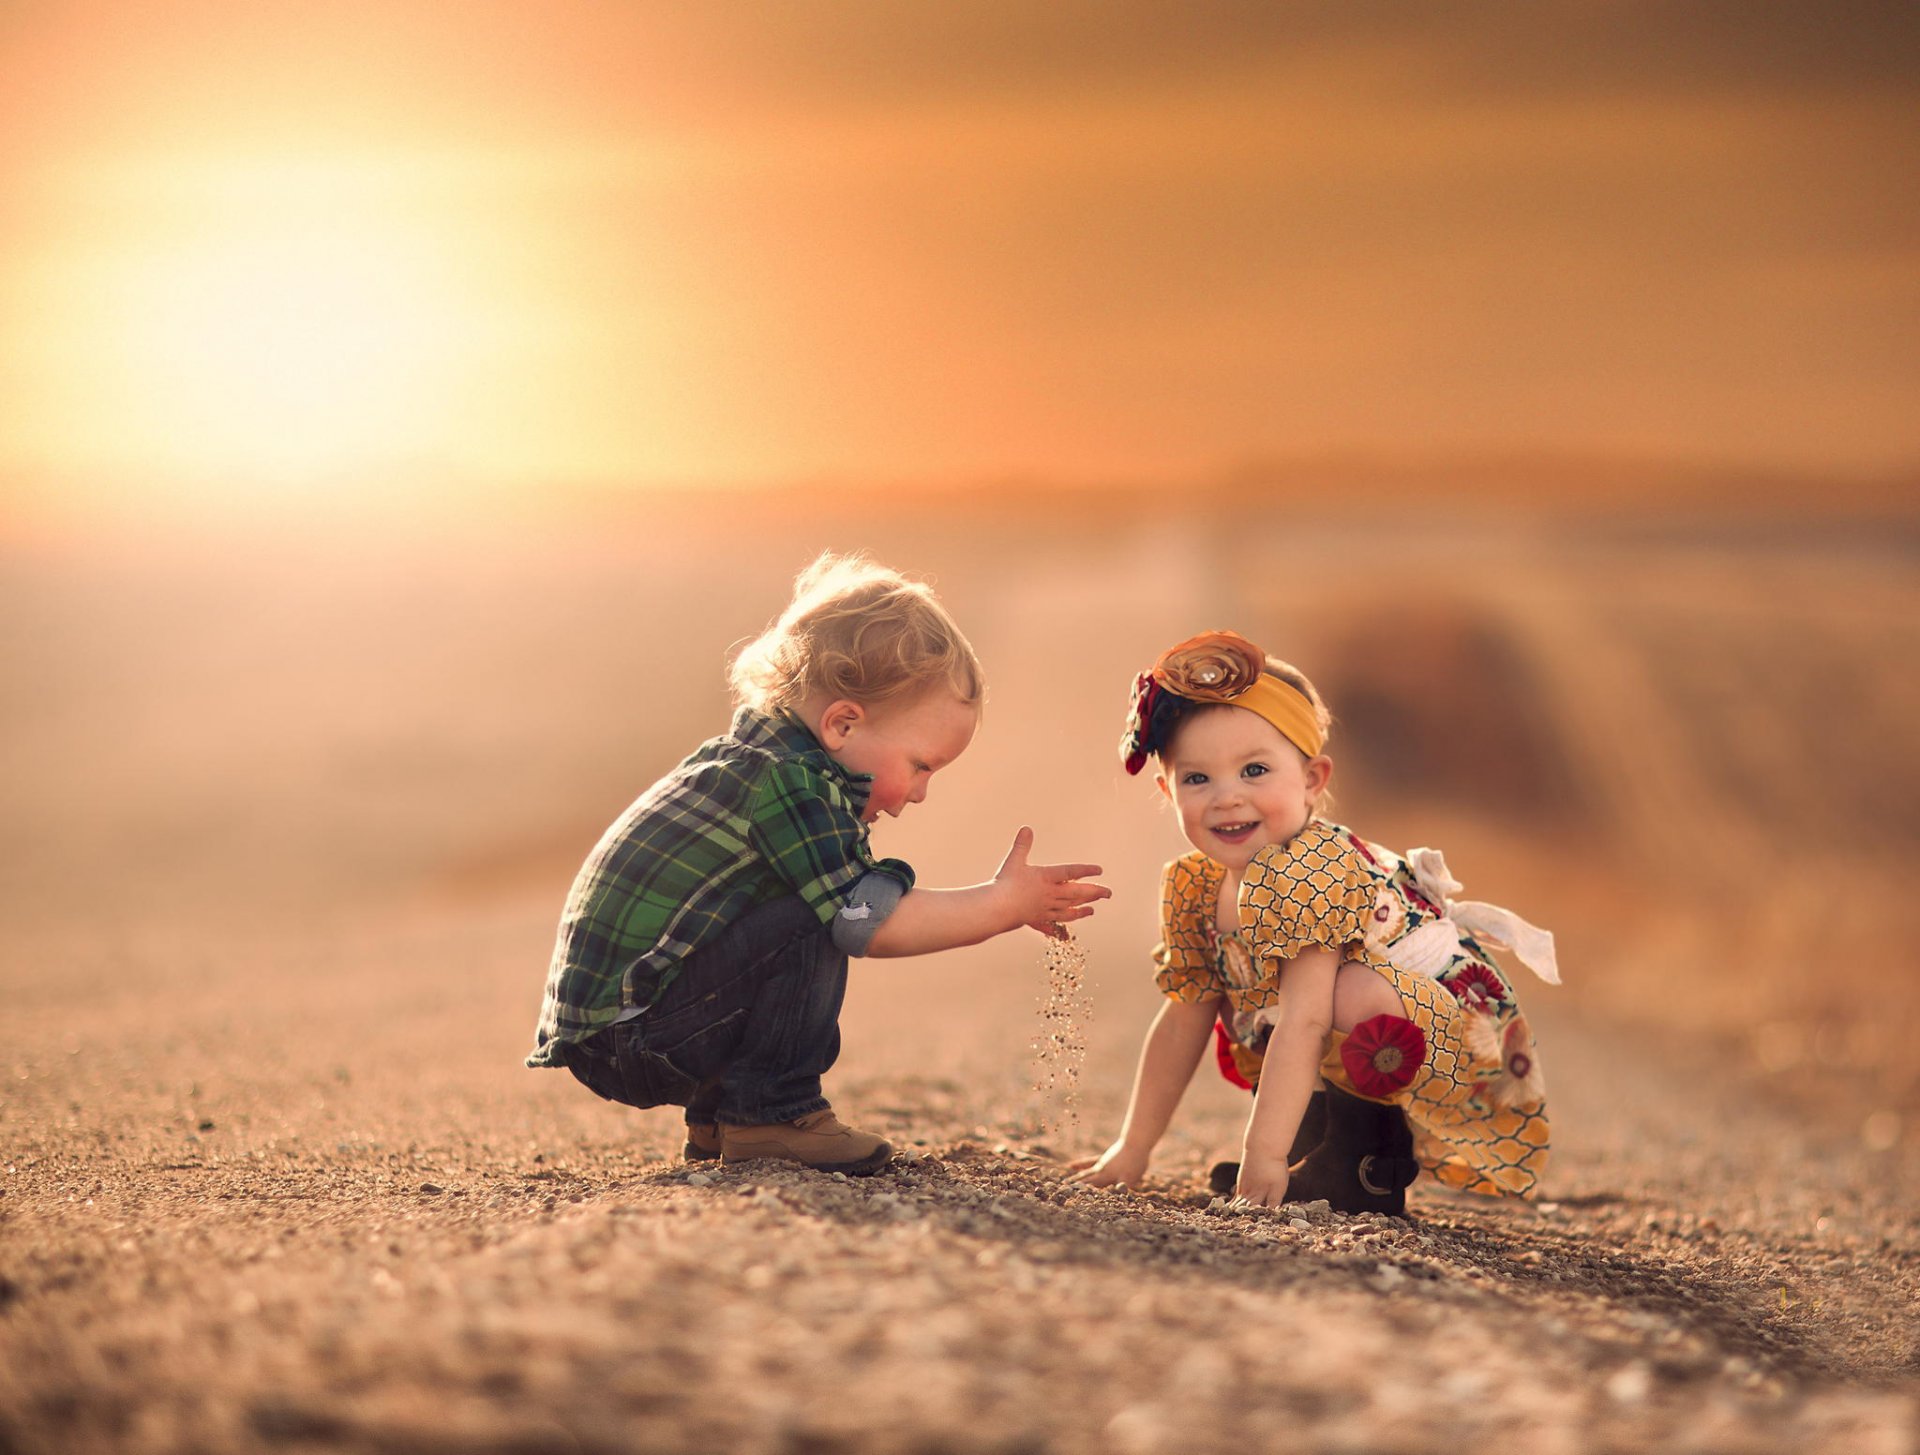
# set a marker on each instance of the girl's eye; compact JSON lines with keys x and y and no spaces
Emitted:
{"x":1253,"y":770}
{"x":1193,"y":780}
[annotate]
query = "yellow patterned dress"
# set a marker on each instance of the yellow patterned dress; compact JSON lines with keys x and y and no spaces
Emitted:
{"x":1462,"y":1063}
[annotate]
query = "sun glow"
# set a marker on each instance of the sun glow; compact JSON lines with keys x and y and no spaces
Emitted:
{"x":276,"y":320}
{"x":294,"y":352}
{"x":257,"y":252}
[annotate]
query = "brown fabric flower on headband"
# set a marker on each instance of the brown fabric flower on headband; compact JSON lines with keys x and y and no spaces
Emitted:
{"x":1212,"y":667}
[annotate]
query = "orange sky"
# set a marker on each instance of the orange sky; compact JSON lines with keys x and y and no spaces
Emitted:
{"x":745,"y":241}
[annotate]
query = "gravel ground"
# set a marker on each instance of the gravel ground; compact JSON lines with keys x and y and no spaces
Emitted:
{"x":291,"y":833}
{"x":237,"y":1221}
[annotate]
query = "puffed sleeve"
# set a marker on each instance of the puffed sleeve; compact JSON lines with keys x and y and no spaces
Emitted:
{"x":1313,"y":891}
{"x":1183,"y":961}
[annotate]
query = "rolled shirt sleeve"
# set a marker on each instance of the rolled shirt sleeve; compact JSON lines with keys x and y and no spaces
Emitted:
{"x":874,"y":897}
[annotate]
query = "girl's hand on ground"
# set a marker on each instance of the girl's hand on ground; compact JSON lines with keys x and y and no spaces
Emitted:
{"x":1263,"y":1182}
{"x":1047,"y":896}
{"x":1119,"y":1164}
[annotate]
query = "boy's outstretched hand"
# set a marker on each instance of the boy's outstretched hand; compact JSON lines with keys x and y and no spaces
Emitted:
{"x":1047,"y":896}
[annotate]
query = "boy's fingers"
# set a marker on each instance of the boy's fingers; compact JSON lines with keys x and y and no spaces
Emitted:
{"x":1016,"y":855}
{"x":1080,"y":889}
{"x":1084,"y":893}
{"x":1069,"y":871}
{"x":1053,"y":919}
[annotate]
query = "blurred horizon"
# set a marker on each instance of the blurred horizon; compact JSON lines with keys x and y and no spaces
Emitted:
{"x":297,"y":249}
{"x":1491,"y":488}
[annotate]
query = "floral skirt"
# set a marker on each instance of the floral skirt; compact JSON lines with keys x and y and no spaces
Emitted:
{"x":1463,"y":1066}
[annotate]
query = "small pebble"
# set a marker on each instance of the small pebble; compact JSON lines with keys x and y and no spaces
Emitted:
{"x":1631,"y":1385}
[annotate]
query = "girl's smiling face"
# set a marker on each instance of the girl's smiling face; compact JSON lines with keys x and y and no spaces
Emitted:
{"x":1238,"y":784}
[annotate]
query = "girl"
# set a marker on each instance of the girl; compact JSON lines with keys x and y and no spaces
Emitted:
{"x":1341,"y":981}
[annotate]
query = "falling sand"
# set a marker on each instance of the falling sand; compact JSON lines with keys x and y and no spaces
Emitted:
{"x":1061,"y":1046}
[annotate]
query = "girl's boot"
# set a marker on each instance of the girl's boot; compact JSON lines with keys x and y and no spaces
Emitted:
{"x":1365,"y":1162}
{"x":1313,"y":1127}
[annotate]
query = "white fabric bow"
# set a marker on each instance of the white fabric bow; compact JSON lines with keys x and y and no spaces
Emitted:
{"x":1530,"y":944}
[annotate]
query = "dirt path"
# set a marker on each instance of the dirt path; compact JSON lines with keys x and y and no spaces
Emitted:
{"x":292,"y":828}
{"x":233,"y":1223}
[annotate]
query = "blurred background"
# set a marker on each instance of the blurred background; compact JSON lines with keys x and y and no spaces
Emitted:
{"x":405,"y":408}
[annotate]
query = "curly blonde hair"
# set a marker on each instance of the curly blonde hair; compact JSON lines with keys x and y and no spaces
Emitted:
{"x":858,"y":630}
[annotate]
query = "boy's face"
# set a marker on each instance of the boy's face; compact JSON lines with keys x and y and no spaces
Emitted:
{"x":902,"y":744}
{"x":1238,"y":784}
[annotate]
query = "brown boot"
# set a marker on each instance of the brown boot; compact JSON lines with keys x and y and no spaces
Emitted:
{"x":703,"y":1142}
{"x":1366,"y":1162}
{"x":1225,"y":1176}
{"x":819,"y":1140}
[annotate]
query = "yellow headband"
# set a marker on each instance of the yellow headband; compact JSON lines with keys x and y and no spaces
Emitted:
{"x":1216,"y":667}
{"x":1287,"y":708}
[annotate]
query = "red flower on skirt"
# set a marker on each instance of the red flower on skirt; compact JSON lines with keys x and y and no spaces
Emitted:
{"x":1524,"y":1083}
{"x":1477,"y":985}
{"x":1382,"y":1054}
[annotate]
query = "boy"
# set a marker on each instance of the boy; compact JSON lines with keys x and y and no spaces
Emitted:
{"x":702,"y":957}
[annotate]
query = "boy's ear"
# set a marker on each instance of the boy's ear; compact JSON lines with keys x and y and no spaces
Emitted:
{"x":839,"y":718}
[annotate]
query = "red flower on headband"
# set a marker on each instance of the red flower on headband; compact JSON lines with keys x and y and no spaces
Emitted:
{"x":1382,"y":1054}
{"x":1134,"y":751}
{"x":1212,"y":667}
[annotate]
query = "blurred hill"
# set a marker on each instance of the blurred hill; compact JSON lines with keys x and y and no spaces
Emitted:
{"x":1676,"y":731}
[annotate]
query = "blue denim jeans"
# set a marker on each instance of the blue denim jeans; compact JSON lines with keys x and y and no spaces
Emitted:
{"x":742,"y":1035}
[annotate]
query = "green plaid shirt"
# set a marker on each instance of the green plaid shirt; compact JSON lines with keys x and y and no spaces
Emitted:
{"x":750,"y":817}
